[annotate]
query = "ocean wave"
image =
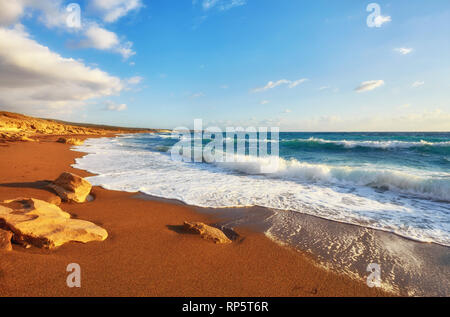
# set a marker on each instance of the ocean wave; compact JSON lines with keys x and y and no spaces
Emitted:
{"x":392,"y":144}
{"x":436,"y":187}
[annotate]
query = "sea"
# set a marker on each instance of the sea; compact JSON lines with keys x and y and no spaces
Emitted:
{"x":397,"y":183}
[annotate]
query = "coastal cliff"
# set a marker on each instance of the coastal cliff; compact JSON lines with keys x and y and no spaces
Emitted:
{"x":18,"y":127}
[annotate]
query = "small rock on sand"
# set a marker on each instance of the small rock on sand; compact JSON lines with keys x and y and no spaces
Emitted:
{"x":5,"y":240}
{"x":72,"y":141}
{"x":207,"y":232}
{"x":71,"y":187}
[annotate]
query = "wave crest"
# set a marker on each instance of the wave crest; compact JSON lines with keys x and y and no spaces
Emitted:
{"x":423,"y":186}
{"x":393,"y":144}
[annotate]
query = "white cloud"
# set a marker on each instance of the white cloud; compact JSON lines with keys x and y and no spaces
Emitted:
{"x":214,"y":6}
{"x":197,"y":95}
{"x":111,"y":106}
{"x":297,"y":82}
{"x":380,"y":20}
{"x":10,"y":11}
{"x":125,"y":49}
{"x":34,"y":79}
{"x":264,"y":102}
{"x":403,"y":50}
{"x":287,"y":111}
{"x":135,"y":80}
{"x":53,"y":13}
{"x":369,"y":85}
{"x":113,"y":10}
{"x":272,"y":84}
{"x":417,"y":84}
{"x":102,"y":39}
{"x":222,"y":5}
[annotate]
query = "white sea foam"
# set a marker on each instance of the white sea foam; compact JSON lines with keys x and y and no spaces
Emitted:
{"x":435,"y":187}
{"x":374,"y":144}
{"x":338,"y":193}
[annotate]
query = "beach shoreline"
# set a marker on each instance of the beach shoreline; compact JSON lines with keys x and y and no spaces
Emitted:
{"x":144,"y":254}
{"x":409,"y":264}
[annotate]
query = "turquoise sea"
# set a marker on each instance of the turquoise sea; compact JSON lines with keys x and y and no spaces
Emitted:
{"x":396,"y":182}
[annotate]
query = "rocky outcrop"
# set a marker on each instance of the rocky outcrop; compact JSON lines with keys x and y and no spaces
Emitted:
{"x":71,"y":187}
{"x":207,"y":232}
{"x":71,"y":141}
{"x":17,"y":127}
{"x":14,"y":137}
{"x":54,"y":200}
{"x":17,"y":124}
{"x":5,"y":240}
{"x":44,"y":225}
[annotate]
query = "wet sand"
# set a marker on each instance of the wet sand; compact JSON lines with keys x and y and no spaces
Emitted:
{"x":146,"y":254}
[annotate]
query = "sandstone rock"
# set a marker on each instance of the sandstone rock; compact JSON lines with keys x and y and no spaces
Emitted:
{"x":44,"y":225}
{"x":72,"y":141}
{"x":207,"y":232}
{"x":27,"y":139}
{"x":71,"y":187}
{"x":53,"y":199}
{"x":13,"y":126}
{"x":13,"y":137}
{"x":5,"y":240}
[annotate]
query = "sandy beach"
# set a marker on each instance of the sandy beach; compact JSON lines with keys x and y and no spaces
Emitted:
{"x":145,"y":253}
{"x":224,"y":148}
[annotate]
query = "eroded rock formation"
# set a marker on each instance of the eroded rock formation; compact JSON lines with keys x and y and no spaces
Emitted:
{"x":45,"y":225}
{"x":207,"y":232}
{"x":71,"y":187}
{"x":5,"y":240}
{"x":71,"y":141}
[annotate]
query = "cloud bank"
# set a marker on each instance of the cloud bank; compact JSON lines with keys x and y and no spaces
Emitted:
{"x":53,"y":14}
{"x":433,"y":120}
{"x":34,"y":79}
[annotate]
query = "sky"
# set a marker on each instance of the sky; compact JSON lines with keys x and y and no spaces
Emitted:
{"x":299,"y":65}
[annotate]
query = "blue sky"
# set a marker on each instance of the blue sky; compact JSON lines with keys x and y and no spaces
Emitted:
{"x":299,"y":65}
